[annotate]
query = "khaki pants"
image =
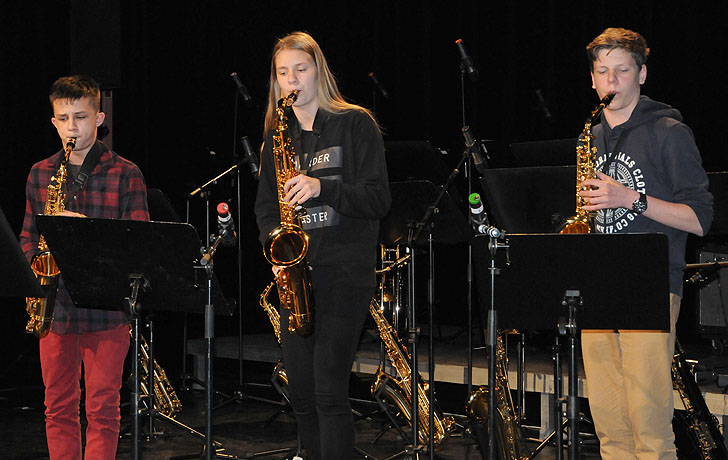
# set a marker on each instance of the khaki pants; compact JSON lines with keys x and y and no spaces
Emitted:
{"x":629,"y":383}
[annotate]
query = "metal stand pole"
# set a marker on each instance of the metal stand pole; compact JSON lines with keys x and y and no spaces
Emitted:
{"x":492,"y":338}
{"x":572,"y":301}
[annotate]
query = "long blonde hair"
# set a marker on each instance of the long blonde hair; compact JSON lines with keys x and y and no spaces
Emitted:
{"x":329,"y":97}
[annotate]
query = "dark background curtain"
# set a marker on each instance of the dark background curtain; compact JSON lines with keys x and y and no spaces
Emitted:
{"x":168,"y":66}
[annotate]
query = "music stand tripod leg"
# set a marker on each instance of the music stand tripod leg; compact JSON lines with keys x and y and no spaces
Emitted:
{"x":133,"y":304}
{"x":573,"y":302}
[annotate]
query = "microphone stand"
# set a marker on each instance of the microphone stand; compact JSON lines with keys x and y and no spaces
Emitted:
{"x":424,"y":222}
{"x":468,"y":171}
{"x":204,"y":193}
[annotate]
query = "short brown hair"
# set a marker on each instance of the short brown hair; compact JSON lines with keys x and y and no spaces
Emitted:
{"x":615,"y":37}
{"x":74,"y":88}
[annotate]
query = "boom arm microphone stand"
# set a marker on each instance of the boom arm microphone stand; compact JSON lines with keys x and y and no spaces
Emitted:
{"x":467,"y":67}
{"x":239,"y":394}
{"x":413,"y":237}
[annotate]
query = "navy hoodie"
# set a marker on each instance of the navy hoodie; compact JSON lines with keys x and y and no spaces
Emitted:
{"x":654,"y":153}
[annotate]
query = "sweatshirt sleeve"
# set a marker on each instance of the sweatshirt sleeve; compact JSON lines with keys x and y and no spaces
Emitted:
{"x":267,"y":212}
{"x":367,"y":196}
{"x":690,"y":182}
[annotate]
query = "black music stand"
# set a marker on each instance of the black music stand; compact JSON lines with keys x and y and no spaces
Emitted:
{"x":552,"y":152}
{"x":617,"y":281}
{"x":16,"y":277}
{"x":120,"y":265}
{"x":415,"y":161}
{"x":517,"y":200}
{"x":410,"y":201}
{"x":421,"y":214}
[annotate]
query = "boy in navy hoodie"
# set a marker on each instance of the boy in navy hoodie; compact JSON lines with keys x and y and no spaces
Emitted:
{"x":650,"y":179}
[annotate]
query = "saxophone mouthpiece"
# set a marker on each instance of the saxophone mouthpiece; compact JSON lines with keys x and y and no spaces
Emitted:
{"x":288,"y":101}
{"x":608,"y":99}
{"x":291,"y":99}
{"x":71,"y":143}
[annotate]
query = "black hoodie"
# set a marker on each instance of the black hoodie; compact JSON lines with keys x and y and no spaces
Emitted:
{"x":346,"y":153}
{"x":654,"y":153}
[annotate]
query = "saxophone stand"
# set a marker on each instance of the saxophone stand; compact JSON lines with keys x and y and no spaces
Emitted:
{"x":552,"y":268}
{"x":115,"y":264}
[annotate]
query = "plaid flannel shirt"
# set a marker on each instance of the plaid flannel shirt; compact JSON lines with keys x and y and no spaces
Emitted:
{"x":115,"y":189}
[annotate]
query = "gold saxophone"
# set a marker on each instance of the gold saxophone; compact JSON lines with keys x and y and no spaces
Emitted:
{"x":586,"y":155}
{"x":279,"y":379}
{"x":705,"y":439}
{"x":287,"y":245}
{"x":165,"y":398}
{"x":507,"y":438}
{"x":399,"y":390}
{"x":43,"y":264}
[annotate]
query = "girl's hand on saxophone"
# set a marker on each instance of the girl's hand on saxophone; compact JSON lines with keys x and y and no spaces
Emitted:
{"x":607,"y":194}
{"x":300,"y":189}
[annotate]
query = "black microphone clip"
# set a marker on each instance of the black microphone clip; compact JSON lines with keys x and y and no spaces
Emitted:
{"x":476,"y":149}
{"x":250,"y":157}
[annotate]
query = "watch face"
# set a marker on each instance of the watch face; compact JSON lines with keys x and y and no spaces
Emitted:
{"x":640,"y":204}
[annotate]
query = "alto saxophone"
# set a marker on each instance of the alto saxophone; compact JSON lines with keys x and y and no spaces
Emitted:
{"x":508,"y":437}
{"x":399,"y":390}
{"x":43,"y":264}
{"x":287,"y":245}
{"x":586,"y":156}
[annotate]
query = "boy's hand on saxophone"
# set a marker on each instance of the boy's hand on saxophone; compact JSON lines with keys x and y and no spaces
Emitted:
{"x":608,"y":193}
{"x":70,"y":214}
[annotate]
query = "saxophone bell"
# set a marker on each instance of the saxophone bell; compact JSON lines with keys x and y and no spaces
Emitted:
{"x":40,"y":309}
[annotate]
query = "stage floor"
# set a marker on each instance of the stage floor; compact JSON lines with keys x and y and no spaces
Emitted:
{"x":256,"y":421}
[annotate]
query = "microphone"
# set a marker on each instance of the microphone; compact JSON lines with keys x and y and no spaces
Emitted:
{"x":226,"y":225}
{"x":250,"y":157}
{"x":479,"y":218}
{"x":542,"y":104}
{"x":378,"y":85}
{"x":241,"y":89}
{"x":480,"y":159}
{"x":466,"y":64}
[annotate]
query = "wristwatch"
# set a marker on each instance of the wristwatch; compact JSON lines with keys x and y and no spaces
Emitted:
{"x":640,"y":204}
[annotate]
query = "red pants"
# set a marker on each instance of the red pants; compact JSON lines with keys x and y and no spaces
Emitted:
{"x":102,"y":354}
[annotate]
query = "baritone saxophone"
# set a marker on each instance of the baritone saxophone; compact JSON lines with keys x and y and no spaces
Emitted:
{"x":40,"y":309}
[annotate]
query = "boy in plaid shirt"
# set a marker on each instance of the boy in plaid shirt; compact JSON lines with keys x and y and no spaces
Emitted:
{"x":99,"y":339}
